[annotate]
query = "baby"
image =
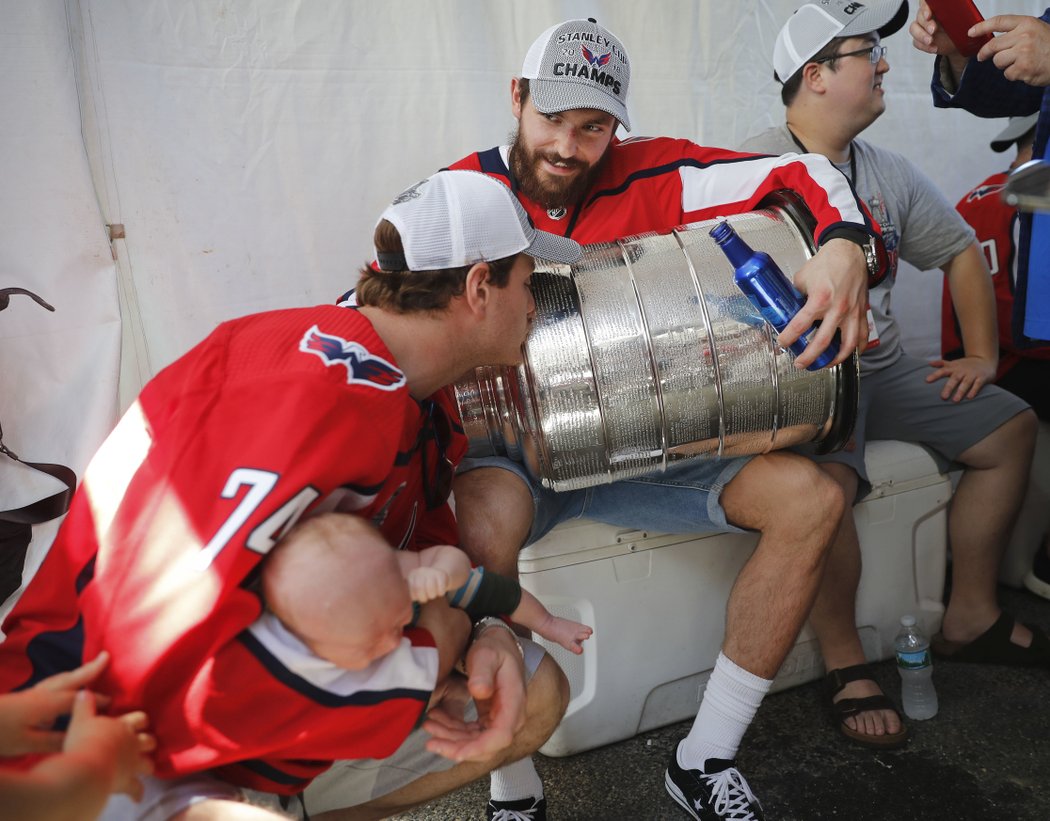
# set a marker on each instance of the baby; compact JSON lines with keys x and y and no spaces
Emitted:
{"x":348,"y":595}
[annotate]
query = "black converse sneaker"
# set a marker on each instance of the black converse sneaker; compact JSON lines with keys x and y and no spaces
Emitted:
{"x":719,"y":793}
{"x":527,"y":809}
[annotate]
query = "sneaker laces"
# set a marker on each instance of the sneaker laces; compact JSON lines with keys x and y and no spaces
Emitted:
{"x":731,"y":797}
{"x":513,"y":815}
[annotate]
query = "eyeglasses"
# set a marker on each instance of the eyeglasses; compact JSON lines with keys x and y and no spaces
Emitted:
{"x":875,"y":53}
{"x":437,"y":482}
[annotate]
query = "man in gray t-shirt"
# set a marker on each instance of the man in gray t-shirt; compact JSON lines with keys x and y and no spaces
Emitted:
{"x":832,"y":65}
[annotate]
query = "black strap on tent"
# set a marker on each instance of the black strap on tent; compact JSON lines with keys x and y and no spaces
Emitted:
{"x":45,"y":509}
{"x":16,"y":524}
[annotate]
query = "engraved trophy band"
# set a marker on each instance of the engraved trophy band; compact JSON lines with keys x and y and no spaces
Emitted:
{"x":644,"y":354}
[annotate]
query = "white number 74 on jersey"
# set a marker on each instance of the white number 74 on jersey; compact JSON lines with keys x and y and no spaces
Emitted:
{"x":266,"y":534}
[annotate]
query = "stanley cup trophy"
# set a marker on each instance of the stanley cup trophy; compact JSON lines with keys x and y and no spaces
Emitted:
{"x":645,"y":354}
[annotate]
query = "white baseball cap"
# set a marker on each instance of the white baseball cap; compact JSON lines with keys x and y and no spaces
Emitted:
{"x":1015,"y":129}
{"x":578,"y":64}
{"x":457,"y":218}
{"x":814,"y":25}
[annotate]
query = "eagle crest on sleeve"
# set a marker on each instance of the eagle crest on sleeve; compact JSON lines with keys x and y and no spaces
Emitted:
{"x":362,"y":368}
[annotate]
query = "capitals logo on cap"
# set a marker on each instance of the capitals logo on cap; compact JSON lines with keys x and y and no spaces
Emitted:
{"x":410,"y":193}
{"x":362,"y":368}
{"x":595,"y":60}
{"x":578,"y":64}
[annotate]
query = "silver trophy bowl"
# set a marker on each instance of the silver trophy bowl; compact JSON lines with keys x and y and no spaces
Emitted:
{"x":645,"y":354}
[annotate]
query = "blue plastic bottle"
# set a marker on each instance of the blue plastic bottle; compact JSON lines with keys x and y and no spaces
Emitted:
{"x":768,"y":289}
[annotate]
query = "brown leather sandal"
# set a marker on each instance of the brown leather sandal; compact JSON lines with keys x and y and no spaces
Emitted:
{"x":842,"y":709}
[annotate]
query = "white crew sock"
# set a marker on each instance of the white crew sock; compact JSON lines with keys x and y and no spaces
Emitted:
{"x":730,"y":702}
{"x":513,"y":782}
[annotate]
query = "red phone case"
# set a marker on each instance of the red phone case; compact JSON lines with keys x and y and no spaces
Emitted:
{"x":956,"y":17}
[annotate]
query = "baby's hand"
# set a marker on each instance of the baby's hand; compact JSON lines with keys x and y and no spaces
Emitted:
{"x":121,"y":745}
{"x":426,"y":583}
{"x":569,"y":634}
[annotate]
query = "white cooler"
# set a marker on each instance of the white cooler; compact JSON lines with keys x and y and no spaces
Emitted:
{"x":657,"y":602}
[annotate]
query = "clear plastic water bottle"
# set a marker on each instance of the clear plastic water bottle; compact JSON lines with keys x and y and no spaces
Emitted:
{"x":768,"y":289}
{"x":916,"y":669}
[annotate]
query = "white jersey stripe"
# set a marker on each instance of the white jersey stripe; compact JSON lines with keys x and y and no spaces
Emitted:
{"x":406,"y":668}
{"x":725,"y":182}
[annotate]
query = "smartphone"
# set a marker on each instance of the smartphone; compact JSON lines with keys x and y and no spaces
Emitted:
{"x":956,"y":17}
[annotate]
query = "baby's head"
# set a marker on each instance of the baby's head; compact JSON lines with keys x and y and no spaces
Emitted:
{"x":337,"y":585}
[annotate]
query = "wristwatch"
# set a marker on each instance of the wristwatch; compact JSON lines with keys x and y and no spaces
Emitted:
{"x":874,"y":251}
{"x":875,"y":258}
{"x":489,"y":622}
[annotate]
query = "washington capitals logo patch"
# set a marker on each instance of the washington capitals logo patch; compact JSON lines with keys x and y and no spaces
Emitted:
{"x":983,"y":191}
{"x":593,"y":59}
{"x":362,"y":368}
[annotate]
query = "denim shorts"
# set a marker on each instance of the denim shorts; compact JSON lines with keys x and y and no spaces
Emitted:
{"x":684,"y":499}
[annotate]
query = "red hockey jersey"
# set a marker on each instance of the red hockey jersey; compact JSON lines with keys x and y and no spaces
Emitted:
{"x":659,"y":183}
{"x":270,"y":417}
{"x":996,"y":225}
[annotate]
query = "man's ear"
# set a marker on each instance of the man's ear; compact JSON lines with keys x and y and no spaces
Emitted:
{"x":515,"y":98}
{"x":477,"y":287}
{"x":813,"y":77}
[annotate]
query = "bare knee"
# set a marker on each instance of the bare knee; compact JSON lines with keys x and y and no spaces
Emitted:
{"x":548,"y":697}
{"x":1018,"y":433}
{"x":1013,"y":441}
{"x":846,"y":478}
{"x":1027,"y":426}
{"x":787,"y":497}
{"x":494,"y":510}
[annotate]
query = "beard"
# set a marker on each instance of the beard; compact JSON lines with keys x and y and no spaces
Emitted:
{"x":550,"y":192}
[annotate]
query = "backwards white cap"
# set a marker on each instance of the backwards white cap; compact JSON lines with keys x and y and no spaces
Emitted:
{"x":457,"y":218}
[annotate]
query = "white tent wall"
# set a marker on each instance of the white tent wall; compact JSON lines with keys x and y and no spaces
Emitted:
{"x":247,"y":146}
{"x":254,"y":143}
{"x":59,"y":370}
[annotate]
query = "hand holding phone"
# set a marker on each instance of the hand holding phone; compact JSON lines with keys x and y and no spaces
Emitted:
{"x":956,"y":17}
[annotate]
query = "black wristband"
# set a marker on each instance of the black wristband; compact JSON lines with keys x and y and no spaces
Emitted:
{"x":855,"y":235}
{"x":875,"y":256}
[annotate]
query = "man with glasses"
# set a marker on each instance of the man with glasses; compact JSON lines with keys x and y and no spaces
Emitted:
{"x":272,"y":418}
{"x":832,"y":64}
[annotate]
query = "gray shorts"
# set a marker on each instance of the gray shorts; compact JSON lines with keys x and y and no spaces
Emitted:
{"x":345,"y":784}
{"x":684,"y":499}
{"x":897,"y":402}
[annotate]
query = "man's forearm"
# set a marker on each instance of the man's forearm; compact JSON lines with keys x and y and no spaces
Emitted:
{"x":970,"y":285}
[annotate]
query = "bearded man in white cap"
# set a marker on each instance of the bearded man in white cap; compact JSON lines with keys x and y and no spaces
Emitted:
{"x":575,"y":178}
